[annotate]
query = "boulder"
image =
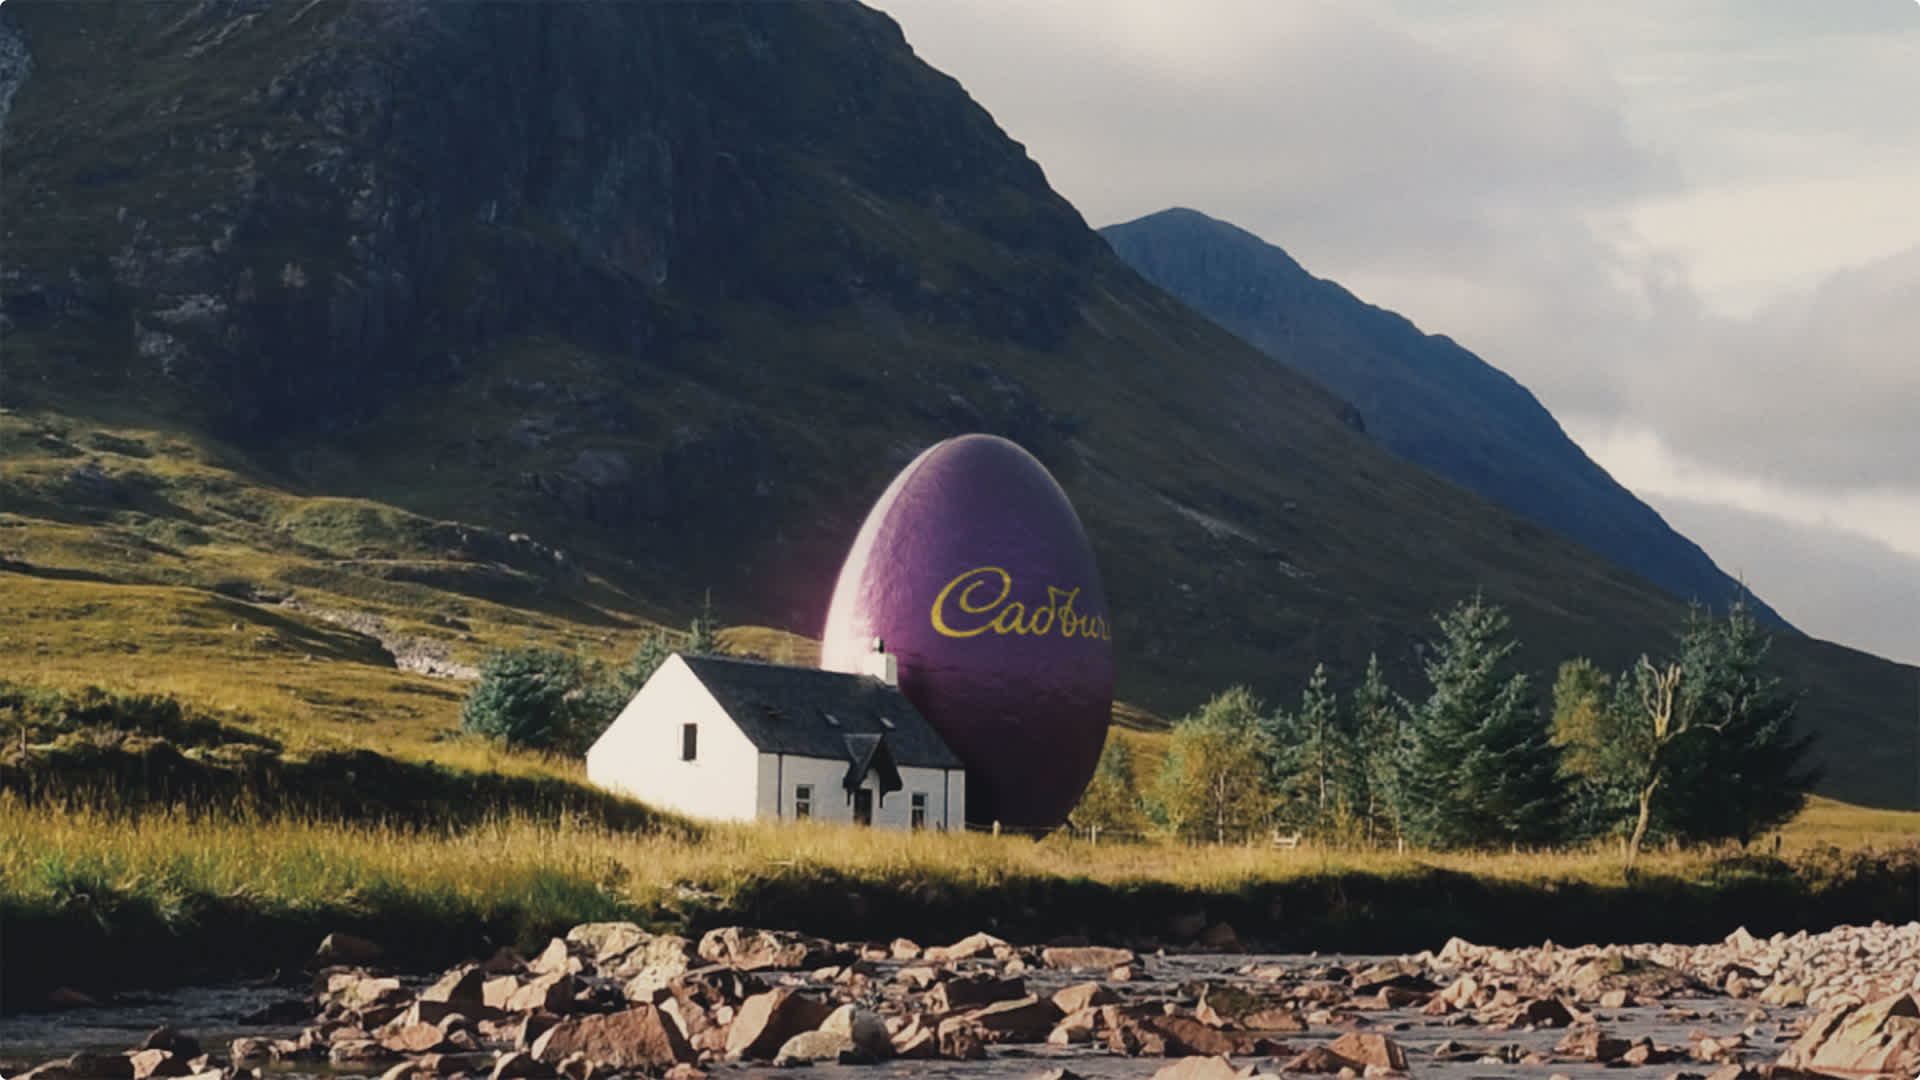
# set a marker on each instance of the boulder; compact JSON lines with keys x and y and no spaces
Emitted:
{"x":915,"y":1041}
{"x":555,"y":958}
{"x":413,"y":1038}
{"x":960,"y":1042}
{"x":863,"y":1028}
{"x":638,"y":1038}
{"x":766,"y":1021}
{"x":158,"y":1063}
{"x":346,"y":949}
{"x":1199,"y":1068}
{"x":519,"y":1065}
{"x":763,"y":950}
{"x":1592,"y":1044}
{"x":809,"y":1047}
{"x":1320,"y":1059}
{"x":1882,"y":1037}
{"x":1370,"y":1050}
{"x":545,"y":993}
{"x":1090,"y":956}
{"x":462,"y":990}
{"x":1020,"y":1020}
{"x":171,"y":1039}
{"x":954,"y":995}
{"x":83,"y":1066}
{"x":1086,"y":995}
{"x":357,"y":1053}
{"x":968,"y":948}
{"x":1076,"y":1028}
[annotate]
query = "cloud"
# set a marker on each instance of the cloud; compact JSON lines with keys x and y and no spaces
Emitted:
{"x":1833,"y":585}
{"x":1690,"y":231}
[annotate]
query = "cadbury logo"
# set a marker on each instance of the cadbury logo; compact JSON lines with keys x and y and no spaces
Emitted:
{"x":979,"y":601}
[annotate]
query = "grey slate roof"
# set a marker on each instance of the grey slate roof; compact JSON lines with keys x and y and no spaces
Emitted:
{"x":811,"y":713}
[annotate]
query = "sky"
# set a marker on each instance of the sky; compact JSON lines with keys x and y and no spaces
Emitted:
{"x":1691,"y":228}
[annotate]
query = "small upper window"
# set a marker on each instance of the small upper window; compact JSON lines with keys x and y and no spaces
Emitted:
{"x":803,"y":800}
{"x":919,"y":809}
{"x":689,"y":741}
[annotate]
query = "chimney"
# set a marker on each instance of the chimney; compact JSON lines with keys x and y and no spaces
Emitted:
{"x":881,"y":664}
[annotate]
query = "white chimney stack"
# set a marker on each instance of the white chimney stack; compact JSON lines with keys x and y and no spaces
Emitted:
{"x":881,"y":664}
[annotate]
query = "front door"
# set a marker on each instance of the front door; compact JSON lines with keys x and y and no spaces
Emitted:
{"x":863,"y":806}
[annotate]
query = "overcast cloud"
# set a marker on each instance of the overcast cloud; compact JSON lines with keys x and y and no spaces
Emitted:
{"x":1693,"y":230}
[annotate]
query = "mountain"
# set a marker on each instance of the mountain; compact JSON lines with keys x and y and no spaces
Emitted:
{"x":352,"y":336}
{"x":1422,"y":396}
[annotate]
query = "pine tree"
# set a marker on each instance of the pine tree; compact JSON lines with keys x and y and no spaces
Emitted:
{"x":1750,"y":775}
{"x":522,"y":698}
{"x":1478,"y":769}
{"x":1372,"y":729}
{"x":1310,"y":756}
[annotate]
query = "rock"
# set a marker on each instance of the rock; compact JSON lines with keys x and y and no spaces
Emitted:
{"x":1320,"y":1059}
{"x":1084,"y":995}
{"x":252,"y":1051}
{"x":915,"y":1041}
{"x":1220,"y":937}
{"x":355,"y":991}
{"x":1616,"y":999}
{"x":461,"y":990}
{"x":546,"y":993}
{"x":556,"y":958}
{"x":84,"y":1066}
{"x":1020,"y":1020}
{"x":1883,"y":1037}
{"x":1545,"y":1012}
{"x":413,"y":1039}
{"x":1076,"y":1028}
{"x":171,"y":1039}
{"x":958,"y":1042}
{"x":967,"y":948}
{"x":1370,"y":1050}
{"x":655,"y":962}
{"x":1784,"y":993}
{"x":809,"y":1047}
{"x":954,"y":995}
{"x":1091,"y":956}
{"x":1273,"y":1020}
{"x":1057,"y":1074}
{"x":761,"y":950}
{"x":1592,"y":1044}
{"x":684,"y":1071}
{"x":519,"y":1065}
{"x":406,"y":1070}
{"x":350,"y":1053}
{"x":638,"y":1038}
{"x":158,"y":1063}
{"x":1182,"y":1036}
{"x":905,"y":950}
{"x":766,"y":1021}
{"x":863,"y":1028}
{"x":346,"y":949}
{"x":1199,"y":1068}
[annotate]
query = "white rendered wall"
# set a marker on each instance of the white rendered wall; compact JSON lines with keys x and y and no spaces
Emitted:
{"x":640,"y":753}
{"x":781,"y":775}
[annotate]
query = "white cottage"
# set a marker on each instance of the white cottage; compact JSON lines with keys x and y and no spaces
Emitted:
{"x":733,"y":740}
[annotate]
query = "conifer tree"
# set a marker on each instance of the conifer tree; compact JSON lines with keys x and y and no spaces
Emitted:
{"x":1477,"y":769}
{"x":1372,"y":723}
{"x":1750,"y":775}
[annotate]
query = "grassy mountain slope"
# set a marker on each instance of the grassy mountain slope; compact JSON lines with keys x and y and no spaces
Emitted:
{"x":1422,"y":396}
{"x":499,"y":321}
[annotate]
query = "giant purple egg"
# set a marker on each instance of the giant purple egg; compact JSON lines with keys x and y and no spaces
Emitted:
{"x":975,"y":572}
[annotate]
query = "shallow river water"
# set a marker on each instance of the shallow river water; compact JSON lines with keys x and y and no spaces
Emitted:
{"x":214,"y":1016}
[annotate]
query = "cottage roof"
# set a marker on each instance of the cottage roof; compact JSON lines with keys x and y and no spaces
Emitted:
{"x":812,"y":713}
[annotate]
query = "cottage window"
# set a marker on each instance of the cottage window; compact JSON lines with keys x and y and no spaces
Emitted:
{"x":689,"y":741}
{"x":919,"y":809}
{"x":803,"y":801}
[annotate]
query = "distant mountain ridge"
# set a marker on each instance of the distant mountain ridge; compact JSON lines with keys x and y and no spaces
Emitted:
{"x":1422,"y":396}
